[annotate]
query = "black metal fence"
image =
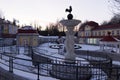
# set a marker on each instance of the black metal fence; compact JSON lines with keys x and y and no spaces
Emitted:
{"x":49,"y":66}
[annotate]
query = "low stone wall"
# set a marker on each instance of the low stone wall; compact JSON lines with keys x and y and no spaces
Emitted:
{"x":91,"y":53}
{"x":36,"y":58}
{"x":113,"y":56}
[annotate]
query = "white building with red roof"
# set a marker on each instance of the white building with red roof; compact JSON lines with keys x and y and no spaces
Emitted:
{"x":92,"y":32}
{"x":110,"y":43}
{"x":27,"y":36}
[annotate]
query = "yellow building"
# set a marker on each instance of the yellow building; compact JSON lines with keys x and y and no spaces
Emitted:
{"x":91,"y":32}
{"x":27,"y":37}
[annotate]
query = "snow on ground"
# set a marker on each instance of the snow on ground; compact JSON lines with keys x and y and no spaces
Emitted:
{"x":53,"y":52}
{"x":89,"y":47}
{"x":23,"y":57}
{"x":84,"y":47}
{"x":22,"y":62}
{"x":30,"y":76}
{"x":45,"y":48}
{"x":116,"y":63}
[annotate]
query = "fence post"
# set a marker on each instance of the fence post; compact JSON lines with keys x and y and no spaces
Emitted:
{"x":10,"y":64}
{"x":110,"y":68}
{"x":0,"y":55}
{"x":88,"y":56}
{"x":38,"y":78}
{"x":76,"y":71}
{"x":117,"y":73}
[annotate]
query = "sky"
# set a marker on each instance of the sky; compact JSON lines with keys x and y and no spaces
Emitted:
{"x":44,"y":12}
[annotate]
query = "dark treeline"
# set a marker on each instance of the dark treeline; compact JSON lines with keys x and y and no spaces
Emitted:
{"x":53,"y":29}
{"x":51,"y":33}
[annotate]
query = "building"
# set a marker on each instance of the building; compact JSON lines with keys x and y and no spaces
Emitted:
{"x":91,"y":32}
{"x":27,"y":36}
{"x":111,"y":41}
{"x":8,"y":31}
{"x":1,"y":26}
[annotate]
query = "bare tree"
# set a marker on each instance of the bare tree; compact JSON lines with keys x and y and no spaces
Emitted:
{"x":115,"y":6}
{"x":104,"y":23}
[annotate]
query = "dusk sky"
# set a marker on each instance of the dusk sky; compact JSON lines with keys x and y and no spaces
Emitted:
{"x":43,"y":12}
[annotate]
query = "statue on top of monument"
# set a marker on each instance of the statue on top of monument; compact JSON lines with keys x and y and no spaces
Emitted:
{"x":69,"y":10}
{"x":69,"y":16}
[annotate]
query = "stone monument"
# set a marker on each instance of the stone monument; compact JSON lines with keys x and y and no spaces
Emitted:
{"x":70,"y":23}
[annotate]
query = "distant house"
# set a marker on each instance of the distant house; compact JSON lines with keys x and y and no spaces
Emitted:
{"x":91,"y":32}
{"x":1,"y":26}
{"x":27,"y":36}
{"x":8,"y":31}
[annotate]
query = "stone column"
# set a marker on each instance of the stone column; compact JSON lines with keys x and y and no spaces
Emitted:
{"x":69,"y":44}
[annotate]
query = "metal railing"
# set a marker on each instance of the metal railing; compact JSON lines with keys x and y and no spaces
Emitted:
{"x":50,"y":66}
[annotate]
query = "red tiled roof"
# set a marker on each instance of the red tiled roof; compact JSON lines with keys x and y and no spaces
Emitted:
{"x":109,"y":38}
{"x":112,"y":26}
{"x":118,"y":37}
{"x":90,"y":36}
{"x":27,"y":31}
{"x":92,"y":23}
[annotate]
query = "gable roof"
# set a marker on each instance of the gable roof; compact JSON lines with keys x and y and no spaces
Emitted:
{"x":90,"y":23}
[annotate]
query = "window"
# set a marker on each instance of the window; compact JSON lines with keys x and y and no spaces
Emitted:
{"x":112,"y":32}
{"x":103,"y":33}
{"x":86,"y":33}
{"x":117,"y":32}
{"x":99,"y":33}
{"x":25,"y":42}
{"x":92,"y":34}
{"x":95,"y":33}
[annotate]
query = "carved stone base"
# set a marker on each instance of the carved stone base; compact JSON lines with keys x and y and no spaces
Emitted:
{"x":70,"y":57}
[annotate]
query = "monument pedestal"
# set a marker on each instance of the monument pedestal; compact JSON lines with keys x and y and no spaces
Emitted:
{"x":69,"y":42}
